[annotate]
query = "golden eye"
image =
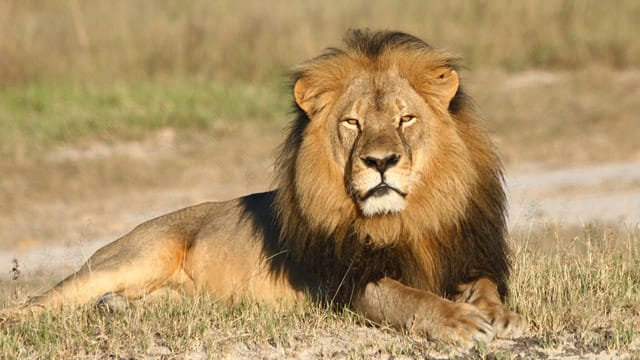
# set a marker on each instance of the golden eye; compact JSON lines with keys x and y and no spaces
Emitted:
{"x":351,"y":123}
{"x":407,"y":120}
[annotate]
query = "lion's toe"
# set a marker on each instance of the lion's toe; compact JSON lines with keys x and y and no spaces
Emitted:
{"x":508,"y":324}
{"x":112,"y":303}
{"x":462,"y":324}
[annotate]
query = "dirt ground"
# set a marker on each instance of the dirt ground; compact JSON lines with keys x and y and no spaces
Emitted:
{"x":56,"y":210}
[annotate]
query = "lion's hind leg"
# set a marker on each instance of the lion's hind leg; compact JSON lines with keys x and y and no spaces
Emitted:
{"x":483,"y":294}
{"x":137,"y":264}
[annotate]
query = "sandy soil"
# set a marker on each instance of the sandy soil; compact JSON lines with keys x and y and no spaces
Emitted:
{"x":608,"y":193}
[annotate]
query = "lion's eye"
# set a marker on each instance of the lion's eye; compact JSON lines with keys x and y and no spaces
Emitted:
{"x":407,"y":120}
{"x":351,"y":123}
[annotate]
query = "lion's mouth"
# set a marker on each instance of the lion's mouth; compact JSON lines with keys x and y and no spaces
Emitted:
{"x":381,"y":189}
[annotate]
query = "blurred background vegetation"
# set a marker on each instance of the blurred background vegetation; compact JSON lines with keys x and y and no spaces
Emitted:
{"x":105,"y":41}
{"x":75,"y":69}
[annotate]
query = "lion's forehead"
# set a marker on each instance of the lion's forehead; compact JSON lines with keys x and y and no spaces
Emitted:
{"x":374,"y":96}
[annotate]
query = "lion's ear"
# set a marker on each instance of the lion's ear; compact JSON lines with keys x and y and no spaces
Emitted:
{"x":449,"y":82}
{"x":302,"y":94}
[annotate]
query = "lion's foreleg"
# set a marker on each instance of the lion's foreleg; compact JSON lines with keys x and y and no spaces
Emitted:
{"x":483,"y":294}
{"x":388,"y":301}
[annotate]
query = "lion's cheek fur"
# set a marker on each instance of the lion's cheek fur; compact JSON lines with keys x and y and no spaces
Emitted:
{"x":320,"y":187}
{"x":443,"y":190}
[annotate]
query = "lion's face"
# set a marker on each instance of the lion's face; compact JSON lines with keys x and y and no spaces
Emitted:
{"x":380,"y":133}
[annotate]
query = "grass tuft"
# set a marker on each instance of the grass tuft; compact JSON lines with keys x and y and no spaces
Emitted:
{"x":583,"y":281}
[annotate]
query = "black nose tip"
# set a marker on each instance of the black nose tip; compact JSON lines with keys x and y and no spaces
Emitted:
{"x":381,"y":163}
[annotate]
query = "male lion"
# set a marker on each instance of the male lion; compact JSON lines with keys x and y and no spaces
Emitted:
{"x":389,"y":200}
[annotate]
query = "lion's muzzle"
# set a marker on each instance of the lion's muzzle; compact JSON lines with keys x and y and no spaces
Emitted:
{"x":381,"y":189}
{"x":377,"y":180}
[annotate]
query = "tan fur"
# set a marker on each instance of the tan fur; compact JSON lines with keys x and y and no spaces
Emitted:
{"x":389,"y":200}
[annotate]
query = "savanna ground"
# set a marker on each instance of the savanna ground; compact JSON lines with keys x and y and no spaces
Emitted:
{"x":113,"y":113}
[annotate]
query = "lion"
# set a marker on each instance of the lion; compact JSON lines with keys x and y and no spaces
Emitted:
{"x":389,"y":201}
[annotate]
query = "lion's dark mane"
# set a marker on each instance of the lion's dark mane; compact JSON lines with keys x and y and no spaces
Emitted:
{"x":335,"y":265}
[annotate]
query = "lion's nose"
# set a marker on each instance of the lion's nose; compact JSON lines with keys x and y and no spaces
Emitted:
{"x":381,"y":163}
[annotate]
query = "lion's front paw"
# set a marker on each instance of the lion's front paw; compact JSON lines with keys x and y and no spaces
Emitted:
{"x":456,"y":322}
{"x":508,"y":324}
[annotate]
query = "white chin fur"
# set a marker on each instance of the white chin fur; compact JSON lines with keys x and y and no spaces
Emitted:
{"x":389,"y":203}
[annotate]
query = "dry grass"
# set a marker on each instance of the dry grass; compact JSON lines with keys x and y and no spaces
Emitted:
{"x":584,"y":281}
{"x":174,"y":327}
{"x":579,"y":287}
{"x":83,"y":41}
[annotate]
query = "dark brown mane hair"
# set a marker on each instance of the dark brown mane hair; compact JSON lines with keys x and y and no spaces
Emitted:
{"x":453,"y":233}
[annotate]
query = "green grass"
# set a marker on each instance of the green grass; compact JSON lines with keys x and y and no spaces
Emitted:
{"x":35,"y":117}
